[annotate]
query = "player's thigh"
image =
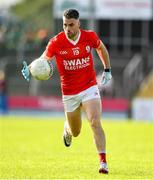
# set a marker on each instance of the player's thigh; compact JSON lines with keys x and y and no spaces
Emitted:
{"x":92,"y":109}
{"x":74,"y":120}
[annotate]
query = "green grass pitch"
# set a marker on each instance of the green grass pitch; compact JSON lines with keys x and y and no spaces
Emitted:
{"x":32,"y":148}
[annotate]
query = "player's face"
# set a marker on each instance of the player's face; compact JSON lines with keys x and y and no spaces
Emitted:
{"x":71,"y":27}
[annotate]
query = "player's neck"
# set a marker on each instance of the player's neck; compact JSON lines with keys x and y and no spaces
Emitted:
{"x":75,"y":40}
{"x":76,"y":36}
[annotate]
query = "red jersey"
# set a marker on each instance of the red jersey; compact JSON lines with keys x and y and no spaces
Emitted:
{"x":74,"y":61}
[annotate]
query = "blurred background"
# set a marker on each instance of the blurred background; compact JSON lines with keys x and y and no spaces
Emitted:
{"x":125,"y":27}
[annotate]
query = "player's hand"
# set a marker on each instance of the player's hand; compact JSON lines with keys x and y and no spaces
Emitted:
{"x":106,"y":76}
{"x":25,"y":71}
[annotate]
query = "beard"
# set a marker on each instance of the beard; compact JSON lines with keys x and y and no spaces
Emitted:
{"x":71,"y":35}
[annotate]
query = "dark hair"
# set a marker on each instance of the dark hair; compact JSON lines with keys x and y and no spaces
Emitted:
{"x":71,"y":13}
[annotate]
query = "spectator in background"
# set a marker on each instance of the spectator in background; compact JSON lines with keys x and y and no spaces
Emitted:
{"x":13,"y":37}
{"x":1,"y":35}
{"x":2,"y":40}
{"x":30,"y":40}
{"x":43,"y":38}
{"x":3,"y":95}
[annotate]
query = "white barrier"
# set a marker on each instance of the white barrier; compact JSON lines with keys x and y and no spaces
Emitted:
{"x":142,"y":109}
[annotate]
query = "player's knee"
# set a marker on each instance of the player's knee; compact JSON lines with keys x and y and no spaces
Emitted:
{"x":94,"y":122}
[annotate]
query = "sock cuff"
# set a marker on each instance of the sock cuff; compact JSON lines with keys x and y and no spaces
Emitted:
{"x":100,"y":152}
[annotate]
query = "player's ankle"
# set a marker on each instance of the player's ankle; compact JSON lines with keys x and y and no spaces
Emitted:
{"x":102,"y":157}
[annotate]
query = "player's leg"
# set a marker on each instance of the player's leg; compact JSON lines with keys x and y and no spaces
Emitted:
{"x":74,"y":121}
{"x":93,"y":111}
{"x":72,"y":125}
{"x":92,"y":108}
{"x":72,"y":107}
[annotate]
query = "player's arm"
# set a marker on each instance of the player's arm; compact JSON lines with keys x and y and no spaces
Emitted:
{"x":47,"y":55}
{"x":104,"y":57}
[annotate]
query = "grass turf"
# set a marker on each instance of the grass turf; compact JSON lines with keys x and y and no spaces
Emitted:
{"x":32,"y":148}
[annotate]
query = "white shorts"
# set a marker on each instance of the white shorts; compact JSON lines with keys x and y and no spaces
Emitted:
{"x":72,"y":102}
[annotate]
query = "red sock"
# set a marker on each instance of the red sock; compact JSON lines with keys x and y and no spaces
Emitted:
{"x":102,"y":157}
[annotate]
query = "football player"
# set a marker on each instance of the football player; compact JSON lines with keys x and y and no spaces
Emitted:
{"x":72,"y":49}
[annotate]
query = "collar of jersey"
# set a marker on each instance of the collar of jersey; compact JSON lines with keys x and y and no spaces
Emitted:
{"x":76,"y":41}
